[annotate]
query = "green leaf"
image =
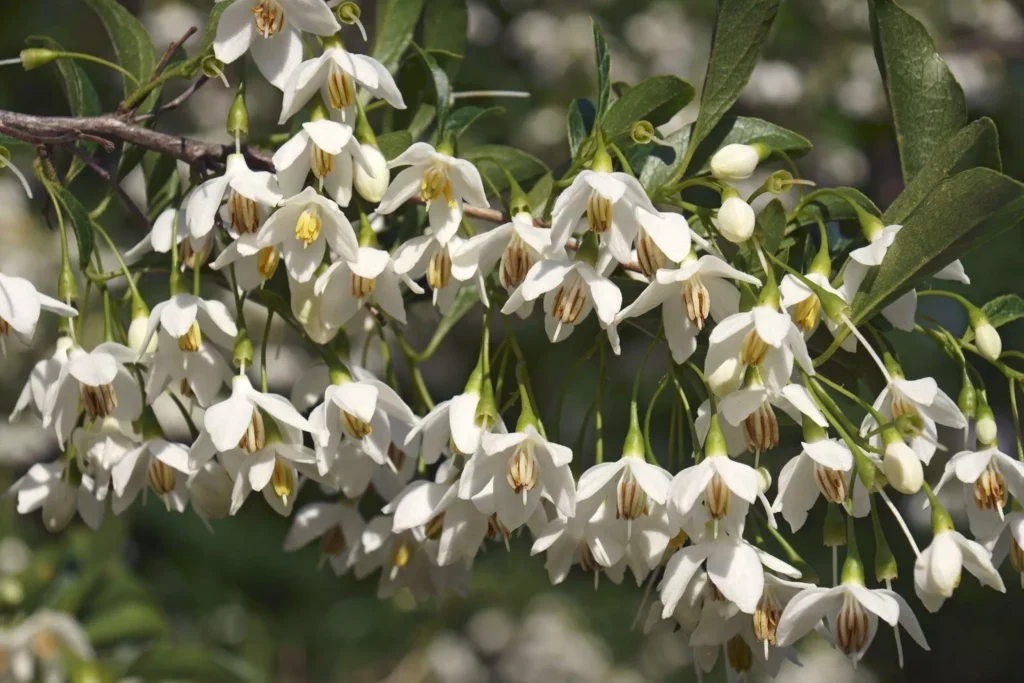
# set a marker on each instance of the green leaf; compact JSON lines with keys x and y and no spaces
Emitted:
{"x":540,"y":193}
{"x":494,"y":160}
{"x":655,"y":99}
{"x":772,"y":220}
{"x":166,"y":662}
{"x":579,"y":121}
{"x":927,"y":103}
{"x":662,"y":161}
{"x":741,"y":27}
{"x":78,"y":217}
{"x":441,"y":89}
{"x":965,"y":211}
{"x":163,"y":182}
{"x":131,"y":621}
{"x":394,"y":143}
{"x":132,"y":45}
{"x":396,"y":21}
{"x":604,"y":65}
{"x":833,"y":204}
{"x":210,"y":34}
{"x":975,"y":145}
{"x":1004,"y":309}
{"x":445,"y":27}
{"x":462,"y":118}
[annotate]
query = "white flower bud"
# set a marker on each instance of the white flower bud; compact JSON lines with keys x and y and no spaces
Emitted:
{"x":210,"y":490}
{"x":945,"y":566}
{"x":902,"y":468}
{"x":372,"y":187}
{"x":764,"y":479}
{"x":727,"y":377}
{"x":137,"y":334}
{"x":735,"y":220}
{"x":985,"y":428}
{"x":734,"y":162}
{"x":989,"y":342}
{"x":59,"y":508}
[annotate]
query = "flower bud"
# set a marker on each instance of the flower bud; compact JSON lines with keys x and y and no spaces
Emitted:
{"x":371,"y":186}
{"x":137,"y":334}
{"x":243,"y":352}
{"x":734,"y":162}
{"x":990,"y":344}
{"x":967,"y":401}
{"x":945,"y":566}
{"x":764,"y":479}
{"x":210,"y":492}
{"x":902,"y":467}
{"x":238,"y":116}
{"x":735,"y":220}
{"x":985,"y":428}
{"x":35,"y":57}
{"x":726,"y":378}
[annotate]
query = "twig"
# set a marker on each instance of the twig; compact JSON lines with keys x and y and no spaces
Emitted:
{"x":176,"y":102}
{"x":172,"y":48}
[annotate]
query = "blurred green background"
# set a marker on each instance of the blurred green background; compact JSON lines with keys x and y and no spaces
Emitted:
{"x":276,"y":616}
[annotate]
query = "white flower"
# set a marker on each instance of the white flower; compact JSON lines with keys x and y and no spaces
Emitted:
{"x":631,"y":482}
{"x":442,"y":182}
{"x":852,"y":612}
{"x":20,"y":306}
{"x":805,"y":307}
{"x":454,"y":419}
{"x":163,"y":465}
{"x":734,"y":162}
{"x":53,"y":638}
{"x":237,"y":422}
{"x":925,"y":404}
{"x":210,"y":491}
{"x":688,"y":295}
{"x":989,"y":477}
{"x":47,"y":488}
{"x":609,"y":201}
{"x":571,"y":290}
{"x":43,"y":374}
{"x":823,"y":468}
{"x":254,"y":264}
{"x":304,"y":226}
{"x":329,"y":150}
{"x":735,"y":567}
{"x":339,"y":527}
{"x":762,"y":337}
{"x":517,"y":470}
{"x":591,"y":538}
{"x":247,"y":191}
{"x":271,"y":29}
{"x":710,"y":486}
{"x":516,"y":245}
{"x":372,"y":177}
{"x":334,"y":74}
{"x":426,"y":255}
{"x":990,"y":344}
{"x":938,"y":567}
{"x":160,"y":237}
{"x":735,"y":220}
{"x":663,"y":239}
{"x":752,"y":407}
{"x":97,"y":381}
{"x":902,"y":467}
{"x":307,"y":307}
{"x":273,"y":469}
{"x":187,"y":319}
{"x":1008,"y":540}
{"x":100,"y":447}
{"x":407,"y":560}
{"x":346,"y":286}
{"x":198,"y":374}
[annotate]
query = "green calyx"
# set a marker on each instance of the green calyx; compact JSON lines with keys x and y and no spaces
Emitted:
{"x":333,"y":42}
{"x":318,"y":110}
{"x":813,"y":431}
{"x":853,"y":568}
{"x":587,"y":253}
{"x":871,"y":226}
{"x":518,"y":202}
{"x":834,"y":530}
{"x":633,"y":446}
{"x":527,"y":414}
{"x":715,"y":445}
{"x":865,"y":468}
{"x":446,"y":147}
{"x":238,"y":115}
{"x":941,"y":520}
{"x":602,"y":161}
{"x":770,"y":295}
{"x":364,"y":131}
{"x":271,"y":429}
{"x":886,"y":568}
{"x":243,"y":351}
{"x":148,"y":426}
{"x":367,"y":237}
{"x":892,"y":365}
{"x":967,"y":401}
{"x":35,"y":57}
{"x":339,"y":375}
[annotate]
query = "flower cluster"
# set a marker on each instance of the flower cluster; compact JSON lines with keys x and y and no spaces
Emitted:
{"x":414,"y":492}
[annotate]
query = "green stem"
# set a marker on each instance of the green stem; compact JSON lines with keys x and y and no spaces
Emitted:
{"x":120,"y":261}
{"x":599,"y":412}
{"x":192,"y":429}
{"x":879,"y":418}
{"x":622,"y":160}
{"x":1016,"y":419}
{"x":647,"y":419}
{"x":263,"y":352}
{"x":81,"y":56}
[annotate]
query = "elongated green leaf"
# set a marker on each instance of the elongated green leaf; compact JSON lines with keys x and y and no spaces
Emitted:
{"x":579,"y":122}
{"x":394,"y":143}
{"x":78,"y":217}
{"x":396,"y":21}
{"x":655,"y":99}
{"x":741,"y":27}
{"x":1002,"y":310}
{"x":494,"y":160}
{"x":927,"y":103}
{"x":659,"y":162}
{"x":442,"y":91}
{"x":464,"y":117}
{"x":974,"y":145}
{"x":604,"y":67}
{"x":772,"y":221}
{"x":131,"y":621}
{"x":445,"y":27}
{"x":540,"y":193}
{"x":965,"y":211}
{"x":134,"y":49}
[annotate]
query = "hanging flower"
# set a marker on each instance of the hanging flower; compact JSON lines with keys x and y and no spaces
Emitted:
{"x":989,"y":477}
{"x":20,"y":306}
{"x":824,"y":468}
{"x":157,"y":463}
{"x":248,"y":194}
{"x":50,"y":489}
{"x":327,"y":148}
{"x":924,"y":405}
{"x":427,"y":256}
{"x":938,"y":568}
{"x":339,"y":527}
{"x":346,"y":286}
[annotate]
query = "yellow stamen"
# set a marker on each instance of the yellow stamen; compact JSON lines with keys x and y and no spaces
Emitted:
{"x":754,"y":349}
{"x":161,"y":477}
{"x":599,"y":213}
{"x":341,"y":90}
{"x":439,"y":269}
{"x":245,"y":215}
{"x":190,"y":341}
{"x":436,"y":183}
{"x":269,"y":17}
{"x":307,"y":228}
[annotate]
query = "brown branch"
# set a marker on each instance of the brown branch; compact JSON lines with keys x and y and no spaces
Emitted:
{"x":166,"y":59}
{"x":176,"y":102}
{"x":64,"y":129}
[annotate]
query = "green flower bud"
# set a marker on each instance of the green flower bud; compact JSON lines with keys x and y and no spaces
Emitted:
{"x":35,"y":57}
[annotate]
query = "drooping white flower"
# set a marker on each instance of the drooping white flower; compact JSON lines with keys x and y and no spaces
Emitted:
{"x":210,"y":491}
{"x":272,"y":31}
{"x":571,"y":290}
{"x":47,"y":487}
{"x":99,"y":447}
{"x":339,"y":526}
{"x":752,"y":407}
{"x":1008,"y":539}
{"x":688,"y":295}
{"x":198,"y":374}
{"x":925,"y":404}
{"x":327,"y":148}
{"x":609,"y":201}
{"x":305,"y":225}
{"x":426,"y":255}
{"x":186,"y":319}
{"x":824,"y":468}
{"x":852,"y":612}
{"x":454,"y":420}
{"x":763,"y":337}
{"x":805,"y":307}
{"x":46,"y":646}
{"x":664,"y":239}
{"x":630,"y":485}
{"x":172,"y":226}
{"x":307,"y":307}
{"x":989,"y":477}
{"x":20,"y":306}
{"x":938,"y":567}
{"x":590,"y":538}
{"x":372,"y":177}
{"x":43,"y":374}
{"x":158,"y":463}
{"x":335,"y":75}
{"x":273,"y":469}
{"x":248,"y":193}
{"x":96,"y":381}
{"x":516,"y":471}
{"x":346,"y":286}
{"x":254,"y":264}
{"x":441,"y":181}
